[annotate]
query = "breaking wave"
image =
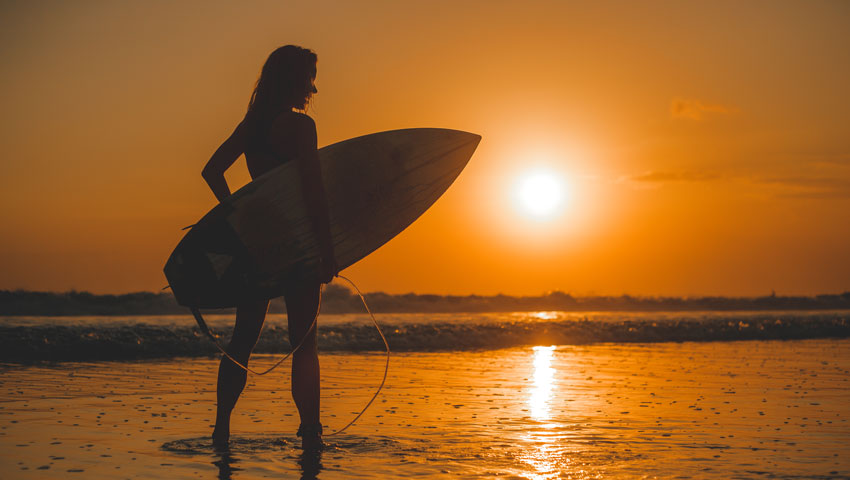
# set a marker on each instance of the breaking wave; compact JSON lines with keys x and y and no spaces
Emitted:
{"x":24,"y":339}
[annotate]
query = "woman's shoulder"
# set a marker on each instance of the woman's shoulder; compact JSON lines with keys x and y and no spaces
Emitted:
{"x":292,"y":132}
{"x":293,"y":121}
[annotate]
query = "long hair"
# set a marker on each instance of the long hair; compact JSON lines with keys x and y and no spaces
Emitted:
{"x":284,"y":84}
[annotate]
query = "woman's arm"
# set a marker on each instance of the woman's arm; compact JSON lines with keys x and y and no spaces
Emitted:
{"x":307,"y":155}
{"x":221,"y":160}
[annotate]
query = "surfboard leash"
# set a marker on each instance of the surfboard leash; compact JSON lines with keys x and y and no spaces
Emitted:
{"x":386,"y":365}
{"x":205,"y":329}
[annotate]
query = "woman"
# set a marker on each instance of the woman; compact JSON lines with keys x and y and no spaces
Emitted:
{"x":276,"y":130}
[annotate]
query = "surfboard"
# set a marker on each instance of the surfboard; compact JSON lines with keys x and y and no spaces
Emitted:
{"x":259,"y":241}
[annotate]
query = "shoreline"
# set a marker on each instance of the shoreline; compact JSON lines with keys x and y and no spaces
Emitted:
{"x":703,"y":410}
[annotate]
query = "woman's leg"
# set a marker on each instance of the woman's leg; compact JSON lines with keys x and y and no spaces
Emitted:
{"x":302,"y":304}
{"x":231,"y":377}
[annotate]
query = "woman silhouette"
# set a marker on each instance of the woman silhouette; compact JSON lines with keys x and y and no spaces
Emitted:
{"x":276,"y":130}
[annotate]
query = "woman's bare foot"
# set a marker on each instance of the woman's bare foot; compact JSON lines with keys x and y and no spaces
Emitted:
{"x":311,"y":438}
{"x":221,"y":438}
{"x":312,"y":443}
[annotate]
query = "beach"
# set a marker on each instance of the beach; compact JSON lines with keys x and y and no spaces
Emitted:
{"x":726,"y":409}
{"x":599,"y":240}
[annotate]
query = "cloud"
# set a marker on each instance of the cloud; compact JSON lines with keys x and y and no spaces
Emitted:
{"x":805,"y":184}
{"x":678,"y":176}
{"x":831,"y":160}
{"x":692,"y":109}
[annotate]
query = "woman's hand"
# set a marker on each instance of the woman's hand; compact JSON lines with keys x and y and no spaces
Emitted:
{"x":328,"y":268}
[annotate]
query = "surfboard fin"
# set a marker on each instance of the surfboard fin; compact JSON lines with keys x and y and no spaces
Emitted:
{"x":201,"y":323}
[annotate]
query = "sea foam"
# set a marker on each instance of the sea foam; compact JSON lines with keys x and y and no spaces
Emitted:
{"x":115,"y":338}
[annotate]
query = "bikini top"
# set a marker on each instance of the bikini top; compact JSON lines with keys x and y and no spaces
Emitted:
{"x":260,"y":157}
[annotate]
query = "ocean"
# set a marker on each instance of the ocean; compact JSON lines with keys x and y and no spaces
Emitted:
{"x":545,"y":395}
{"x":138,"y":337}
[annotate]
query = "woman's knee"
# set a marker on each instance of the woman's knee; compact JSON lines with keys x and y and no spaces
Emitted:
{"x":249,"y":324}
{"x":241,"y":346}
{"x":302,"y":304}
{"x":302,"y":340}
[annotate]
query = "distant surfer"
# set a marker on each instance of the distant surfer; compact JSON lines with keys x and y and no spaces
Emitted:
{"x":276,"y":130}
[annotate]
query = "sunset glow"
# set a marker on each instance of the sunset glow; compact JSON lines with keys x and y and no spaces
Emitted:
{"x":688,"y":148}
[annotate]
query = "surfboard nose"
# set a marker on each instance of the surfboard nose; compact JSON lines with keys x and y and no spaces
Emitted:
{"x":459,"y":138}
{"x":448,"y":146}
{"x":459,"y":148}
{"x":471,"y":138}
{"x":467,"y":143}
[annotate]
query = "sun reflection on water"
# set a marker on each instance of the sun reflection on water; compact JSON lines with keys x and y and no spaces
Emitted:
{"x":543,"y":379}
{"x":542,"y":453}
{"x":544,"y":316}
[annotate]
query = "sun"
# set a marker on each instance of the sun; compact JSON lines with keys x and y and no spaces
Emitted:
{"x":540,"y":194}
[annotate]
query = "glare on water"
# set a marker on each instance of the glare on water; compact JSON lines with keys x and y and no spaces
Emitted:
{"x":542,"y":451}
{"x":544,"y":375}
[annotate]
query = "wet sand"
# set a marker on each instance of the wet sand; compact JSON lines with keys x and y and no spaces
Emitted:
{"x":746,"y":409}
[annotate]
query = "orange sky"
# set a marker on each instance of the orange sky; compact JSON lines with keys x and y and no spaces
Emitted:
{"x":705,"y":146}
